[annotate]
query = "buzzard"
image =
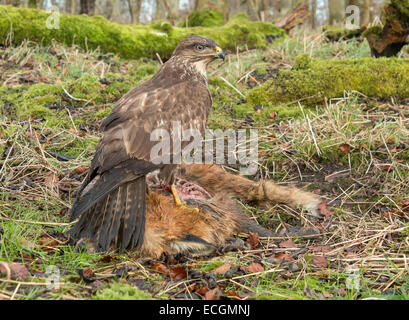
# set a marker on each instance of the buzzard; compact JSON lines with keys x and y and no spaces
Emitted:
{"x":111,"y":202}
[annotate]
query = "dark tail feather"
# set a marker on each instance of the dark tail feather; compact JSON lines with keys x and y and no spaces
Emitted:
{"x":132,"y":229}
{"x":108,"y":182}
{"x":117,"y":220}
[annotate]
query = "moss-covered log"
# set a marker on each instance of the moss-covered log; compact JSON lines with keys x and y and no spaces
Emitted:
{"x":313,"y":80}
{"x":333,"y":33}
{"x":388,"y":40}
{"x":205,"y":18}
{"x":128,"y":41}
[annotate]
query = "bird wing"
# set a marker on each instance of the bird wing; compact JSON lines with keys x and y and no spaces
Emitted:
{"x":127,"y":131}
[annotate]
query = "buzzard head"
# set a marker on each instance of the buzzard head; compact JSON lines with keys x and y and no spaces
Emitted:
{"x":198,"y":51}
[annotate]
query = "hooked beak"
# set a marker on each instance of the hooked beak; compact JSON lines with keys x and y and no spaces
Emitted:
{"x":220,"y":53}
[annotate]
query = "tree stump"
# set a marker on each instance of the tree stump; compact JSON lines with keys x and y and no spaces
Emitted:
{"x":295,"y":17}
{"x":388,"y":40}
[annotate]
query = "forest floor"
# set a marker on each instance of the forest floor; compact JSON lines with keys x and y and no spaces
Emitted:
{"x":352,"y":150}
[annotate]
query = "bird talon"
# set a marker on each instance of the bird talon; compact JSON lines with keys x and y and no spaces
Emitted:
{"x":179,"y":203}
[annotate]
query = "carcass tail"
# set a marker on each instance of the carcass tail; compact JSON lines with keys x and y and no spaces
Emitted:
{"x":117,"y":220}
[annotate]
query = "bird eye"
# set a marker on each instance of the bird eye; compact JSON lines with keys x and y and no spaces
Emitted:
{"x":200,"y":47}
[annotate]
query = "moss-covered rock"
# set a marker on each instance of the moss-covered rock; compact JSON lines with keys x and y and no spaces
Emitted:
{"x":128,"y":41}
{"x":330,"y":78}
{"x":205,"y":18}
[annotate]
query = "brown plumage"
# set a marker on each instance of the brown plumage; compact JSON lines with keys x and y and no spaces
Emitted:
{"x":111,"y":202}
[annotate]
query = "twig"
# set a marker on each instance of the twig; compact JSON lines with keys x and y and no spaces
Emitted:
{"x":237,"y":90}
{"x":40,"y":222}
{"x":70,"y":96}
{"x":160,"y":60}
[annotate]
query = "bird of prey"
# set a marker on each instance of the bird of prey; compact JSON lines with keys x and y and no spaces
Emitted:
{"x":111,"y":202}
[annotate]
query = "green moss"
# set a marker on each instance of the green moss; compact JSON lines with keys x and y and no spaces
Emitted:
{"x":122,"y":291}
{"x":208,"y":266}
{"x":76,"y":147}
{"x":374,"y":30}
{"x":87,"y":87}
{"x":32,"y":100}
{"x":161,"y":25}
{"x":47,"y":101}
{"x":146,"y":70}
{"x":402,"y":11}
{"x":261,"y":70}
{"x":384,"y":77}
{"x":118,"y":86}
{"x":333,"y":33}
{"x":128,"y":41}
{"x":302,"y":62}
{"x":103,"y":113}
{"x":205,"y":18}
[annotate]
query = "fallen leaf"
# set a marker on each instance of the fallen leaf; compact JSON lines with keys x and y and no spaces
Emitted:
{"x":33,"y":135}
{"x":284,"y":256}
{"x":326,"y":294}
{"x":320,"y":262}
{"x":386,"y":167}
{"x":253,"y":239}
{"x":231,"y":293}
{"x":394,"y":212}
{"x":159,"y":267}
{"x":18,"y":271}
{"x":222,"y":269}
{"x":345,"y":148}
{"x":255,"y":267}
{"x":211,"y":294}
{"x":87,"y":273}
{"x":178,"y":273}
{"x":286,"y":275}
{"x":80,"y":170}
{"x":287,"y":244}
{"x":323,"y":249}
{"x":202,"y":291}
{"x":48,"y":243}
{"x":108,"y":258}
{"x":272,"y":115}
{"x":323,"y":209}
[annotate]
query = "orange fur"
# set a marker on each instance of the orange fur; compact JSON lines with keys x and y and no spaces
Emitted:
{"x":220,"y":218}
{"x":168,"y":226}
